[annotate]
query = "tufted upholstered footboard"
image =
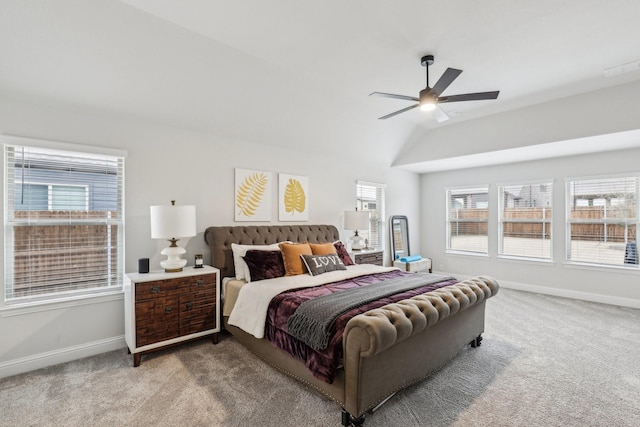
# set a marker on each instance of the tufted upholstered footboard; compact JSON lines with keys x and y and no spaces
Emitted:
{"x":385,"y":349}
{"x":393,"y":323}
{"x":399,"y":344}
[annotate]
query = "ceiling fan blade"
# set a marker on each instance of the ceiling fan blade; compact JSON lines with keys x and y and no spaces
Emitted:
{"x":398,"y":112}
{"x":393,"y":95}
{"x":479,"y":96}
{"x":447,"y":78}
{"x":440,"y":115}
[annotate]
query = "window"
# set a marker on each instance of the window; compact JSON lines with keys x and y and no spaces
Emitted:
{"x":64,"y":227}
{"x":467,"y":220}
{"x":602,"y":221}
{"x":370,"y":197}
{"x":524,"y":221}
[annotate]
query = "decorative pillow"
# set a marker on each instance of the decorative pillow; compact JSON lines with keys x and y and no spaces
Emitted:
{"x":242,"y":270}
{"x":318,"y":264}
{"x":264,"y":264}
{"x":341,"y":250}
{"x":291,"y":256}
{"x":322,"y":248}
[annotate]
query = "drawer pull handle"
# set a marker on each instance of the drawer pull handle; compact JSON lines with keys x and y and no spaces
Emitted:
{"x":155,"y":289}
{"x":189,"y":305}
{"x":168,"y":310}
{"x":200,"y":282}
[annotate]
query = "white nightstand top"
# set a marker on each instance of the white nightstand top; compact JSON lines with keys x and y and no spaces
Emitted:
{"x":162,"y":275}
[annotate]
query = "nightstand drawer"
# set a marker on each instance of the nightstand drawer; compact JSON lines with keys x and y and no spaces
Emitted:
{"x":155,"y":289}
{"x":372,"y":257}
{"x":201,"y":283}
{"x":156,"y":320}
{"x":156,"y":332}
{"x":197,"y":318}
{"x":157,"y":308}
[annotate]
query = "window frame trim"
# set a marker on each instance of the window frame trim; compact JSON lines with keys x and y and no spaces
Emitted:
{"x":466,"y":189}
{"x":550,"y":221}
{"x":64,"y":298}
{"x":615,"y":221}
{"x":381,"y":215}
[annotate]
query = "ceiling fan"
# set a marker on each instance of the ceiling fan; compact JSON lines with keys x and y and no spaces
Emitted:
{"x":430,"y":97}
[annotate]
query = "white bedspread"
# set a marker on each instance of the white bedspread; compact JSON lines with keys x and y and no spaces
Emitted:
{"x":250,"y":310}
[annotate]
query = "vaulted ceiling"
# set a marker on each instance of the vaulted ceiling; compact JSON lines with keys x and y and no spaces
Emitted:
{"x":297,"y":74}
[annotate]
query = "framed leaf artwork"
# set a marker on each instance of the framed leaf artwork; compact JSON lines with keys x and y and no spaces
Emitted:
{"x":293,"y":197}
{"x":252,"y":195}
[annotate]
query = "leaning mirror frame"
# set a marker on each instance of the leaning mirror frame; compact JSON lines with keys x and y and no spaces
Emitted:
{"x":399,"y":231}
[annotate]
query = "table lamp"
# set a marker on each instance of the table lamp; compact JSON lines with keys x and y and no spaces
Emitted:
{"x":356,"y":220}
{"x":171,"y":222}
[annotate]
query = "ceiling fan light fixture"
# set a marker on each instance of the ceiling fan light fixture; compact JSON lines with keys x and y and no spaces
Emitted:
{"x":428,"y":106}
{"x":427,"y":100}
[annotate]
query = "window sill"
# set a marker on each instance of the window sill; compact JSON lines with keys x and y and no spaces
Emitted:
{"x":19,"y":309}
{"x":536,"y":261}
{"x":471,"y":254}
{"x":602,"y":267}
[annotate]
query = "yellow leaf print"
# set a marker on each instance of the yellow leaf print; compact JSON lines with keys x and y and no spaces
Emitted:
{"x":294,"y":197}
{"x":250,"y":192}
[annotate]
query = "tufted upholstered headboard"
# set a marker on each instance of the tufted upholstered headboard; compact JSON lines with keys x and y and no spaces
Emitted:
{"x":220,"y":239}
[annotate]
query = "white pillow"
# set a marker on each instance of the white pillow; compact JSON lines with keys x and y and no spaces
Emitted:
{"x":242,"y":269}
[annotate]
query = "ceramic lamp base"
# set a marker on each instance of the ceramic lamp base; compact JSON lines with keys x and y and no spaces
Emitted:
{"x":173,"y":263}
{"x":357,"y":243}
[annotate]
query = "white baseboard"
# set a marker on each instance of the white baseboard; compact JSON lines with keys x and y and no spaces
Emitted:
{"x":54,"y":357}
{"x":565,"y":293}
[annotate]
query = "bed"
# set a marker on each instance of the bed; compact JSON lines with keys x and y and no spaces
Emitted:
{"x":381,"y":350}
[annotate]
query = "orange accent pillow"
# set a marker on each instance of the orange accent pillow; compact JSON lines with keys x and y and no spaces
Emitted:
{"x":322,"y":248}
{"x":291,"y":252}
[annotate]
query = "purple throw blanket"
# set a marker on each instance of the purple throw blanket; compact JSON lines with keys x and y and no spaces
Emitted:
{"x":324,"y":364}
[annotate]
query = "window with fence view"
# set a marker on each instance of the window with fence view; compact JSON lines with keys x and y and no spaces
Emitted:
{"x":602,"y":221}
{"x":370,"y":197}
{"x":525,"y":221}
{"x":467,"y":220}
{"x":63,"y":222}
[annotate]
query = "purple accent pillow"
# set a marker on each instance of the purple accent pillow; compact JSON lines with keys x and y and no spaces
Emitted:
{"x":343,"y":254}
{"x":264,"y":264}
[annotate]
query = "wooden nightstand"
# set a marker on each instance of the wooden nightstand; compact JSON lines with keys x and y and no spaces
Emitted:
{"x":163,"y":309}
{"x":368,"y":256}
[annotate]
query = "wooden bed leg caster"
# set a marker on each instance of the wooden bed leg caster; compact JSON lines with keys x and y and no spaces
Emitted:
{"x":476,"y":341}
{"x":348,"y":420}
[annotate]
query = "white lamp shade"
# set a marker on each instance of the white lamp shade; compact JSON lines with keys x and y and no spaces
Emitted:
{"x":356,"y":220}
{"x":168,"y":222}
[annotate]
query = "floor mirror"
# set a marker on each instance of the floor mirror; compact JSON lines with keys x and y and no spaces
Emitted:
{"x":399,"y":237}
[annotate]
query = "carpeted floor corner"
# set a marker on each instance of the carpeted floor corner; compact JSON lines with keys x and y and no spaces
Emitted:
{"x":544,"y":361}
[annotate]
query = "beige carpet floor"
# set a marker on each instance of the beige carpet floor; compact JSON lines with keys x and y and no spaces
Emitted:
{"x":544,"y":361}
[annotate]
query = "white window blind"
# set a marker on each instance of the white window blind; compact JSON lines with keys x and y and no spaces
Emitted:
{"x":525,"y":220}
{"x":370,"y":197}
{"x":602,"y":221}
{"x":467,"y":220}
{"x":64,"y":227}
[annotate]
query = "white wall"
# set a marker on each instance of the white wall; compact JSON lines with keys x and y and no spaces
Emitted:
{"x":166,"y":163}
{"x":604,"y":285}
{"x":602,"y":112}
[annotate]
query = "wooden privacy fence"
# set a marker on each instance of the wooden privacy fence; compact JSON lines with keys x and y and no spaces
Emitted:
{"x":68,"y":256}
{"x":474,"y":222}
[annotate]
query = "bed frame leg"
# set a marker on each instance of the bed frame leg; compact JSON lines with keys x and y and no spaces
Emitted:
{"x":348,"y":420}
{"x":476,"y":341}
